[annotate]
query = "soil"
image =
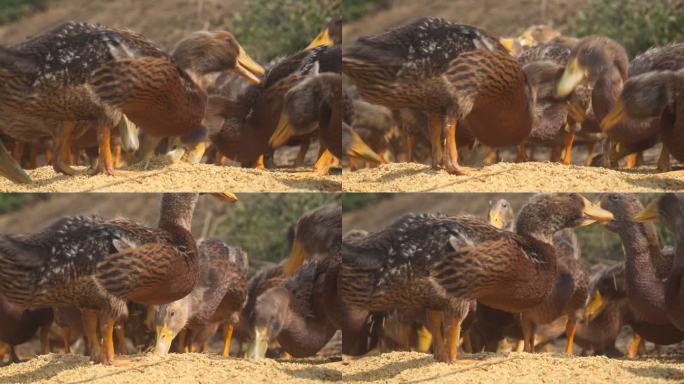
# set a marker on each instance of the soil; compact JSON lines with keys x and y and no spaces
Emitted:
{"x":395,"y":367}
{"x":511,"y":177}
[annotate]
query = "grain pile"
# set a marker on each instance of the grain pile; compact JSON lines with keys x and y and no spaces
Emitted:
{"x":396,"y":367}
{"x":162,"y":177}
{"x":511,"y":177}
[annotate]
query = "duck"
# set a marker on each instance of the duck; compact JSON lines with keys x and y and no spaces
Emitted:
{"x":569,"y":292}
{"x":651,"y":99}
{"x":18,"y":325}
{"x":448,"y":71}
{"x":642,"y":132}
{"x":313,"y":104}
{"x":251,"y":113}
{"x":421,"y":261}
{"x":317,"y":231}
{"x":601,"y":64}
{"x":99,"y":264}
{"x":646,"y":268}
{"x":556,"y":119}
{"x":83,"y":75}
{"x":217,"y":298}
{"x":605,"y":311}
{"x":669,"y":210}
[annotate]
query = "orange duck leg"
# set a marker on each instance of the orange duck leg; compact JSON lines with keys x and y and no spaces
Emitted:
{"x":227,"y":339}
{"x":451,"y":159}
{"x":569,"y":139}
{"x":64,"y":157}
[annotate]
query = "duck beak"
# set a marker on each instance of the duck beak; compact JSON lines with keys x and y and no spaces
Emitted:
{"x":228,"y":197}
{"x":648,"y":214}
{"x":572,"y":76}
{"x":282,"y":133}
{"x":11,"y":169}
{"x":423,"y":340}
{"x":507,"y":43}
{"x":163,"y":340}
{"x":616,"y":115}
{"x":592,"y":213}
{"x":248,"y":68}
{"x":495,"y":219}
{"x":196,"y":153}
{"x":129,"y":135}
{"x":323,"y":38}
{"x":594,"y":307}
{"x":257,"y":348}
{"x":360,"y":149}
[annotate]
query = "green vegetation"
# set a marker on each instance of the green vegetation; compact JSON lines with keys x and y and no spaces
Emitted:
{"x":355,"y":9}
{"x":352,"y":201}
{"x":268,"y":29}
{"x":259,"y":223}
{"x":636,"y":24}
{"x":12,"y":201}
{"x":11,"y":10}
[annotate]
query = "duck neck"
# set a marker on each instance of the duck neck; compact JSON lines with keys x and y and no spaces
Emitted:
{"x":177,"y":210}
{"x":303,"y":335}
{"x":645,"y":290}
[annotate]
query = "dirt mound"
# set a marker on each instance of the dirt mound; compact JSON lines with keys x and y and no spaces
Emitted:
{"x":511,"y":177}
{"x":161,"y":177}
{"x":387,"y":368}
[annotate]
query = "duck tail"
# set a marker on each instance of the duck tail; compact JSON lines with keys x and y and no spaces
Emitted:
{"x":15,"y":253}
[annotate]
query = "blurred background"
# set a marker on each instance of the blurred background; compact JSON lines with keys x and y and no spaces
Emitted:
{"x":636,"y":24}
{"x":266,"y":28}
{"x":257,"y":223}
{"x":374,"y":211}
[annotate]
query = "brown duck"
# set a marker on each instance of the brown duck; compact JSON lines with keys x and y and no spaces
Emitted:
{"x":457,"y":74}
{"x":82,"y":75}
{"x":646,"y":268}
{"x":428,"y":262}
{"x":99,"y":264}
{"x":217,"y":298}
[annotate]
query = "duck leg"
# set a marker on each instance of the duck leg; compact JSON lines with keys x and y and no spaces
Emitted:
{"x":322,"y":166}
{"x":260,"y":162}
{"x":527,"y":326}
{"x":45,"y":339}
{"x":64,"y":158}
{"x":13,"y":354}
{"x":664,"y":160}
{"x":90,"y":328}
{"x":182,"y":346}
{"x":434,"y":325}
{"x":570,"y":329}
{"x":436,"y":141}
{"x":119,"y":328}
{"x":105,"y":159}
{"x":301,"y":155}
{"x":226,"y":341}
{"x":634,"y":346}
{"x":410,"y":146}
{"x":4,"y":348}
{"x":522,"y":154}
{"x":454,"y":337}
{"x":491,"y":157}
{"x":569,"y":139}
{"x":451,"y":160}
{"x":590,"y":154}
{"x":66,"y":339}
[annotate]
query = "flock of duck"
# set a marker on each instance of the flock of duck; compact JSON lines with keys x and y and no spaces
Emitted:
{"x":429,"y":90}
{"x":159,"y":288}
{"x":64,"y":93}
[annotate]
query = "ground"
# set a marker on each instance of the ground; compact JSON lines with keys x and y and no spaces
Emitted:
{"x":511,"y":177}
{"x":396,"y":367}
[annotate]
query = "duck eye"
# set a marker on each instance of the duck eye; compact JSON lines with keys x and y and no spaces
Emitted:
{"x":613,"y":197}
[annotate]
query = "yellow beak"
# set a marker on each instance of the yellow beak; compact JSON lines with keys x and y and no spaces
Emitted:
{"x":495,"y":219}
{"x":616,"y":115}
{"x":11,"y":169}
{"x":257,"y":348}
{"x":424,"y":340}
{"x":282,"y":133}
{"x":359,"y":149}
{"x":323,"y":38}
{"x":572,"y":76}
{"x":507,"y":42}
{"x":594,"y":307}
{"x":648,"y":214}
{"x":226,"y":196}
{"x":164,"y":339}
{"x":248,"y":68}
{"x":592,"y":213}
